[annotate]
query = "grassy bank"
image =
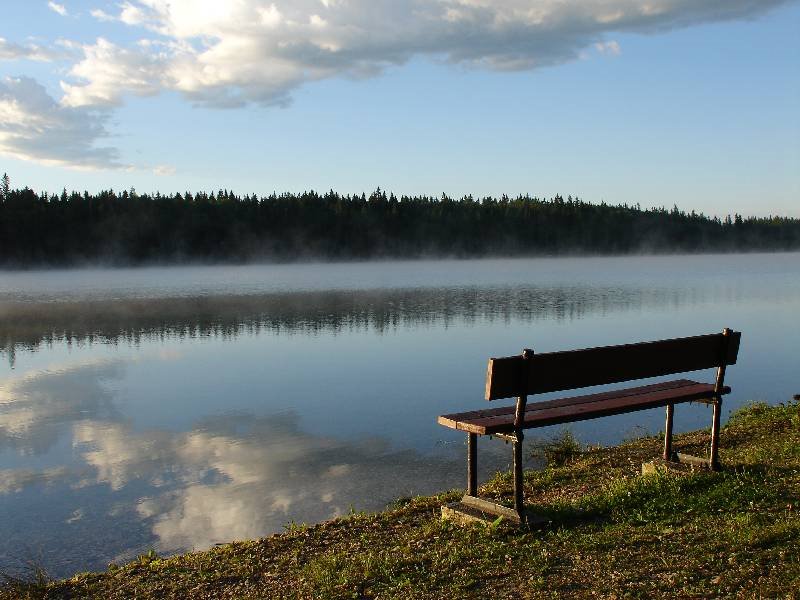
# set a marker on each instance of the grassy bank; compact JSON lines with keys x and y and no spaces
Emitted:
{"x":613,"y":534}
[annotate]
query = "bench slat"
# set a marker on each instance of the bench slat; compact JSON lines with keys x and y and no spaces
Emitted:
{"x":449,"y":420}
{"x":578,"y":408}
{"x":556,"y":371}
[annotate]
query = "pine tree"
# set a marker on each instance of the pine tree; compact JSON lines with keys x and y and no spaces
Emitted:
{"x":5,"y":186}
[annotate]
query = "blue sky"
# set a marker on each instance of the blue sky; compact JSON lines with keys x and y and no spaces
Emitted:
{"x":684,"y":102}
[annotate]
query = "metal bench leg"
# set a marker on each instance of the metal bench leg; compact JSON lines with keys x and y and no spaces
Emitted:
{"x":713,"y":461}
{"x":472,"y":464}
{"x":668,"y":433}
{"x":518,"y":497}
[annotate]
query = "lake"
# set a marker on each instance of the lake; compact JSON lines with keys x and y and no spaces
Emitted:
{"x":176,"y":408}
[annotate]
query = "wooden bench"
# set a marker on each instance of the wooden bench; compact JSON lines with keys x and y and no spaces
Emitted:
{"x":529,"y":374}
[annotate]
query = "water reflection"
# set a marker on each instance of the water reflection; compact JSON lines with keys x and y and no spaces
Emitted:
{"x":223,"y":410}
{"x":16,"y":480}
{"x":238,"y":477}
{"x":30,"y":325}
{"x":35,"y":407}
{"x":232,"y":476}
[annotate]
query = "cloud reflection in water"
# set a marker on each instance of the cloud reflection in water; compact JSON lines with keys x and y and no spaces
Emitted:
{"x":35,"y":406}
{"x":239,"y":476}
{"x":229,"y":477}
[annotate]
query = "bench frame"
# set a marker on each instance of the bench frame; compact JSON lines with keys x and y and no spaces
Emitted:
{"x":528,"y":374}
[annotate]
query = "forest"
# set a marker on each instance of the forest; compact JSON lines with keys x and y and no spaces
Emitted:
{"x":111,"y":228}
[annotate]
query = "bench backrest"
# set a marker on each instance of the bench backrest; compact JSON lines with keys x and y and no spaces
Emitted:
{"x":555,"y":371}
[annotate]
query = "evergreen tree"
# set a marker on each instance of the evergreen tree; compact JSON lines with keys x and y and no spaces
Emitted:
{"x":133,"y":228}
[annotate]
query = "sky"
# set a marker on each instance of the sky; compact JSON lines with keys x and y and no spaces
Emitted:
{"x":693,"y":103}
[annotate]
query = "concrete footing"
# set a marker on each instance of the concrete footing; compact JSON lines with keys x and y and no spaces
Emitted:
{"x":682,"y":463}
{"x":471,"y":509}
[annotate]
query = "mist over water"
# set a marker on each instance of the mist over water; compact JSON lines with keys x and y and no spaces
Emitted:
{"x":176,"y":408}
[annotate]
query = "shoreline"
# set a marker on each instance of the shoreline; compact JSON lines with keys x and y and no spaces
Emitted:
{"x":610,"y":532}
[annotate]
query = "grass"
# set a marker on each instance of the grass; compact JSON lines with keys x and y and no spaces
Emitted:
{"x":612,"y":534}
{"x":559,"y":451}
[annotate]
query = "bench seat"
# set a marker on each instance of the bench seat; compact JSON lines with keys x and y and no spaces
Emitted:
{"x":578,"y":408}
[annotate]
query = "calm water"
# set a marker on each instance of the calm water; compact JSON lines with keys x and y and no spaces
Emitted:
{"x":177,"y":408}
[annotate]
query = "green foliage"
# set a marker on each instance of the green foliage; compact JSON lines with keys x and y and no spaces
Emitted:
{"x":293,"y":528}
{"x":665,"y":497}
{"x":755,"y":413}
{"x":27,"y":582}
{"x":559,"y":450}
{"x":74,"y":228}
{"x":749,"y":412}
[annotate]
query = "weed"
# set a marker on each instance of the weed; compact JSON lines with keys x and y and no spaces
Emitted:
{"x":557,"y":451}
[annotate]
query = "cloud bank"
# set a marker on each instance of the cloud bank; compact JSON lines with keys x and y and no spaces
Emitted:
{"x":12,"y":51}
{"x":33,"y":126}
{"x":258,"y":52}
{"x":57,"y":8}
{"x":229,"y":54}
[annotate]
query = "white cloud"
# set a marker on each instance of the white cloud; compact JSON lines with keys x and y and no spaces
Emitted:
{"x":258,"y":51}
{"x":132,"y":14}
{"x":57,"y":8}
{"x":109,"y":71}
{"x":164,"y":170}
{"x":12,"y":51}
{"x":610,"y":47}
{"x":270,"y":16}
{"x":101,"y":15}
{"x":229,"y":54}
{"x":33,"y":126}
{"x":317,"y":21}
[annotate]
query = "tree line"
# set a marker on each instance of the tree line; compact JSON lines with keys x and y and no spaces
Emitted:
{"x":130,"y":228}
